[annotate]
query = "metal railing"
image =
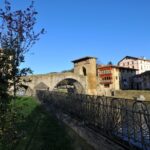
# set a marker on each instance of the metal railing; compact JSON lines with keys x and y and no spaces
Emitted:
{"x":127,"y":121}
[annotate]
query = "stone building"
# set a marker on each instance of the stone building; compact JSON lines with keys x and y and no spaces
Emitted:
{"x":142,"y":81}
{"x":141,"y":64}
{"x":111,"y":78}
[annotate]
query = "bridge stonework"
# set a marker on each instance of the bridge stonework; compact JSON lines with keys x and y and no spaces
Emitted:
{"x":84,"y":74}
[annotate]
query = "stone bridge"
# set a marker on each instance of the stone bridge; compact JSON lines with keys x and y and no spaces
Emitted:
{"x":83,"y":76}
{"x":50,"y":81}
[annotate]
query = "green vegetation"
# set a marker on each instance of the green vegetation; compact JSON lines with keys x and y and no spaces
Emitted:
{"x":38,"y":130}
{"x":17,"y":36}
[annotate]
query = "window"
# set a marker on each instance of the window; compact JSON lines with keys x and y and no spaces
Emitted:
{"x":84,"y":71}
{"x":106,"y":85}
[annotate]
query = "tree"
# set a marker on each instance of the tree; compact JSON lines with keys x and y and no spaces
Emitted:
{"x":110,"y":63}
{"x":17,"y":36}
{"x":4,"y":84}
{"x":70,"y":70}
{"x":4,"y":73}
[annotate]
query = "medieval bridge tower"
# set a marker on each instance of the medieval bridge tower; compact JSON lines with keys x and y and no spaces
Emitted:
{"x":87,"y":67}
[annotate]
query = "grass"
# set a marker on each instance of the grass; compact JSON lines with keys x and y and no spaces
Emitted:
{"x":41,"y":131}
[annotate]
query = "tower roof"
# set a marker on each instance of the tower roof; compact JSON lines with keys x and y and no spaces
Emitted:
{"x":134,"y":58}
{"x":83,"y":59}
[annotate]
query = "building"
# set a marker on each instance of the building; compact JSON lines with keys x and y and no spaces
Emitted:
{"x":111,"y":78}
{"x":141,"y":64}
{"x":142,"y":81}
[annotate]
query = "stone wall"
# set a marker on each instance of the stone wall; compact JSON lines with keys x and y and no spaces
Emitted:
{"x":131,"y":94}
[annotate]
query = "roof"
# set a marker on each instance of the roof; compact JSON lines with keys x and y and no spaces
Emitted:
{"x":99,"y":66}
{"x":146,"y":73}
{"x":83,"y":58}
{"x":142,"y":74}
{"x":135,"y":58}
{"x":113,"y":66}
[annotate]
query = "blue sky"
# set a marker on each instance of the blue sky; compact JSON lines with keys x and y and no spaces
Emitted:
{"x":106,"y":29}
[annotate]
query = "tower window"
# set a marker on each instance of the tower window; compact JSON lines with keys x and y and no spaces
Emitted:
{"x":84,"y":71}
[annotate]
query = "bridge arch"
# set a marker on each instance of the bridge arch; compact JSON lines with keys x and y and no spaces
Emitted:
{"x":23,"y":90}
{"x":71,"y":85}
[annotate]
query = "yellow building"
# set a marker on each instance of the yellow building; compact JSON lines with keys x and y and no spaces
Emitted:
{"x":111,"y":78}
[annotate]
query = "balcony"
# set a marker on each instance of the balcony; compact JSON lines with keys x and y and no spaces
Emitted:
{"x":106,"y":81}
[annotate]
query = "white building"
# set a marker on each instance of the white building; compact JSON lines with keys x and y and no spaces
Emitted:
{"x":141,"y":64}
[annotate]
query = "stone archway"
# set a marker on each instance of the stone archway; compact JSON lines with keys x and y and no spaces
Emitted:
{"x":21,"y":90}
{"x":24,"y":90}
{"x":69,"y":85}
